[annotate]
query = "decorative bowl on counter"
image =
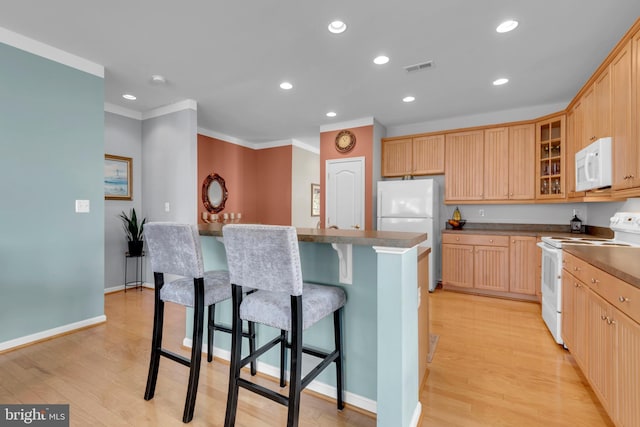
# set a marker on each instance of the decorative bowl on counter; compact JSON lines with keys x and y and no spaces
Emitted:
{"x":456,"y":225}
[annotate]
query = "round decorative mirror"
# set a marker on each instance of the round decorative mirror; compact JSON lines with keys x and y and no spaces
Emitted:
{"x":214,"y":193}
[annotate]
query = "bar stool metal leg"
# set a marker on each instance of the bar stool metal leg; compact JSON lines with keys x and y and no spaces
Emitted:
{"x":337,"y":333}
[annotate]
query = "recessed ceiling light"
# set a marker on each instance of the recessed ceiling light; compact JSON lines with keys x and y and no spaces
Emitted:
{"x":129,"y":97}
{"x":507,"y":26}
{"x":408,"y":99}
{"x":381,"y":60}
{"x":331,"y":114}
{"x":286,"y":85}
{"x":337,"y":27}
{"x":499,"y":82}
{"x":158,"y":79}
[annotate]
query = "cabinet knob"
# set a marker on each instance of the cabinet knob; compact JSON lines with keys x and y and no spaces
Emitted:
{"x":577,"y":285}
{"x":511,"y":194}
{"x":513,"y":241}
{"x":576,"y":268}
{"x":623,"y":299}
{"x":603,"y":317}
{"x":490,"y":240}
{"x":457,"y":239}
{"x":594,"y":281}
{"x":611,"y":321}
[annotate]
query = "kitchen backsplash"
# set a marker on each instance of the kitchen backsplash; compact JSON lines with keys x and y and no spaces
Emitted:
{"x":596,"y":214}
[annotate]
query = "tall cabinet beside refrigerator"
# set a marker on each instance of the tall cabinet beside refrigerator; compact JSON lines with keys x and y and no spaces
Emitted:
{"x":412,"y":205}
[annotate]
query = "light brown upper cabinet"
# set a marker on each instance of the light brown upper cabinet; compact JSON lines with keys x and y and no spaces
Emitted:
{"x":625,"y":159}
{"x":496,"y":164}
{"x":595,"y":109}
{"x":522,"y":145}
{"x":491,"y":164}
{"x":413,"y":156}
{"x":550,"y":137}
{"x":428,"y":155}
{"x":573,"y":136}
{"x":464,"y":166}
{"x":396,"y":157}
{"x":509,"y":154}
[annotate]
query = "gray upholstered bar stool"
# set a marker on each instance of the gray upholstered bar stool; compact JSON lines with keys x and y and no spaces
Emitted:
{"x":175,"y":249}
{"x":267,"y":258}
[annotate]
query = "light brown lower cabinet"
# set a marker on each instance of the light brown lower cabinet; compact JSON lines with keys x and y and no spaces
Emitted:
{"x":601,"y":329}
{"x":486,"y":264}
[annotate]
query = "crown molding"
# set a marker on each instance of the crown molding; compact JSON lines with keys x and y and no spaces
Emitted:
{"x":49,"y":52}
{"x":226,"y":138}
{"x":122,"y":111}
{"x":365,"y":121}
{"x":304,"y":146}
{"x":187,"y":104}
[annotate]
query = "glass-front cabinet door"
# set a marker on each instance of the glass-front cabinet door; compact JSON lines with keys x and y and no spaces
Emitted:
{"x":550,"y":158}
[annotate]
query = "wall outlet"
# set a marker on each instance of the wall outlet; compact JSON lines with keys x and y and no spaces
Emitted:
{"x":167,"y":207}
{"x":481,"y":212}
{"x":82,"y":206}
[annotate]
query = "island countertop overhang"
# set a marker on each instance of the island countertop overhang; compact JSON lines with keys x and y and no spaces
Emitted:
{"x":394,"y":239}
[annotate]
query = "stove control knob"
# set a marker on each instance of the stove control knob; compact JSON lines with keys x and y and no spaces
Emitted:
{"x":637,"y":221}
{"x":614,"y":220}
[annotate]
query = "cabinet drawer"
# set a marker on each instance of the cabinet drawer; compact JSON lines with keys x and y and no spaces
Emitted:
{"x":621,"y":295}
{"x":475,"y":239}
{"x":576,"y":266}
{"x":618,"y":293}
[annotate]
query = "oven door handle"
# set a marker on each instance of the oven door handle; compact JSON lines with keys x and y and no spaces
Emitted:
{"x":548,"y":248}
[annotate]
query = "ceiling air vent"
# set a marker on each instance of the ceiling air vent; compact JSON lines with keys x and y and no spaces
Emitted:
{"x":419,"y":67}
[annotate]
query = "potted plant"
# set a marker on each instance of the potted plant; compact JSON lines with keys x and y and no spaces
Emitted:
{"x":133,"y":229}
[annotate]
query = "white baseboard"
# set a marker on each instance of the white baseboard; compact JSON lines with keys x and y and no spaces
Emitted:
{"x":316,"y":386}
{"x":121,"y":287}
{"x":50,"y":333}
{"x":416,"y":415}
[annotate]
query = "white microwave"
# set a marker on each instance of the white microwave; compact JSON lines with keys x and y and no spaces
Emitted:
{"x":593,"y":165}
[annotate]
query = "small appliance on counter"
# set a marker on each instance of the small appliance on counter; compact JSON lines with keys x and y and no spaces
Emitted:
{"x":576,"y":223}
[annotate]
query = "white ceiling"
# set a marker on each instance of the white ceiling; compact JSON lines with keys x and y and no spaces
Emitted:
{"x":230,"y":56}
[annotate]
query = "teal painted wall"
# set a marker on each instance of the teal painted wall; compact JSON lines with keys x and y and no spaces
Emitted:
{"x":51,"y":153}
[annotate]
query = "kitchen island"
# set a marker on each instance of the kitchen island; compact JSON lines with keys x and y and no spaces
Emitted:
{"x":378,"y":271}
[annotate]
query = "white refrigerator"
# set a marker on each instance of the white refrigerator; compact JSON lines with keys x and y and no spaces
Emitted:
{"x":412,"y":205}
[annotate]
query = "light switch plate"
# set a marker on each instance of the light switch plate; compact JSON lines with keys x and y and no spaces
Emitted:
{"x":82,"y":206}
{"x":167,"y":207}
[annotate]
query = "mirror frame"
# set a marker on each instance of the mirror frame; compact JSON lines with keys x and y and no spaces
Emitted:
{"x":214,"y":177}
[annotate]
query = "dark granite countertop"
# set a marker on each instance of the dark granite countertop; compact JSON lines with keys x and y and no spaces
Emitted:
{"x":621,"y":262}
{"x":394,"y":239}
{"x":535,"y":230}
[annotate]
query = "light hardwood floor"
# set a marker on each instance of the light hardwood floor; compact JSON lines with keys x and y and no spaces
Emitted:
{"x":495,"y":365}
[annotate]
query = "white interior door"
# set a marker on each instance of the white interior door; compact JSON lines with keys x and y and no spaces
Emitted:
{"x":345,"y":193}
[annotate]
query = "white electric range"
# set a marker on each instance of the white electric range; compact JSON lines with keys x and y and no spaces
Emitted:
{"x":626,"y":228}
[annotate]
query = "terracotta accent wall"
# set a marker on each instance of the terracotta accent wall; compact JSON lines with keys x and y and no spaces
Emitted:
{"x":273,"y":185}
{"x":363,"y":148}
{"x":258,"y":181}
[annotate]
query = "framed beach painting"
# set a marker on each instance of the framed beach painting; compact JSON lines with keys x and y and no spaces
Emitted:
{"x":315,"y":199}
{"x":117,"y":177}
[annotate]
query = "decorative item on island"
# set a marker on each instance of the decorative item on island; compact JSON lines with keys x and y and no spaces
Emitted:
{"x":457,"y":222}
{"x":133,"y":230}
